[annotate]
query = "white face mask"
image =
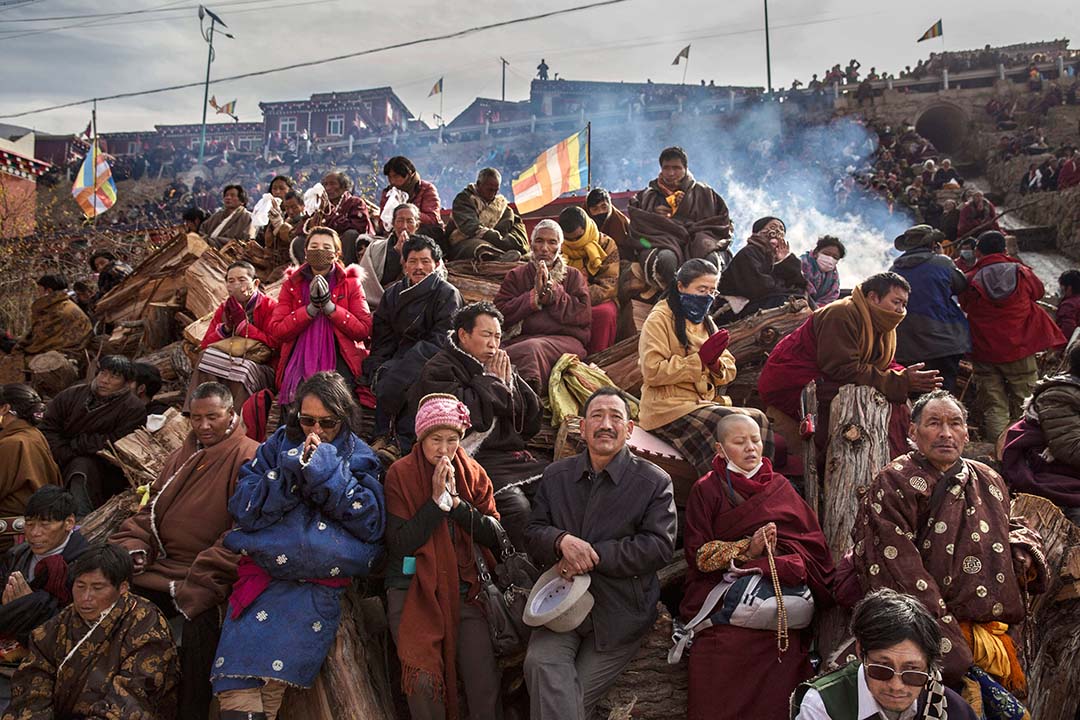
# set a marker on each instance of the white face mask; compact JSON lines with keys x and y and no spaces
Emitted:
{"x":826,"y":262}
{"x":747,"y":473}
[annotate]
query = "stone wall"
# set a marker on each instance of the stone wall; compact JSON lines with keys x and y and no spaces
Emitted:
{"x":1058,"y":209}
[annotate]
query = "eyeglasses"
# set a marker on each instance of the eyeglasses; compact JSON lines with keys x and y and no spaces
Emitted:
{"x":884,"y":673}
{"x":326,"y":423}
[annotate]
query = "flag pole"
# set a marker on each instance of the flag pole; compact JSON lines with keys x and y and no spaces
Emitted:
{"x":686,"y":66}
{"x":93,"y":159}
{"x":588,"y":153}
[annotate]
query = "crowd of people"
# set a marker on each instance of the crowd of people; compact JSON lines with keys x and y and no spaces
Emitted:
{"x":249,"y":537}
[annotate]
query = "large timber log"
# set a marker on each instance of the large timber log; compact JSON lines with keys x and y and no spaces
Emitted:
{"x":649,"y":688}
{"x":171,"y":361}
{"x":353,"y":683}
{"x":156,"y":279}
{"x":858,"y":449}
{"x":107,"y":519}
{"x":751,"y":339}
{"x":1050,"y":641}
{"x":141,"y":454}
{"x":478,"y":280}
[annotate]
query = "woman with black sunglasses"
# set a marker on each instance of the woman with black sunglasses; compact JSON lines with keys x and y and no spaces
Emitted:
{"x":310,"y":516}
{"x":896,"y":675}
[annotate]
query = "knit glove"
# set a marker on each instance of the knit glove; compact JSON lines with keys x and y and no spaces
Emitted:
{"x":320,"y":291}
{"x":711,"y":350}
{"x":329,"y":308}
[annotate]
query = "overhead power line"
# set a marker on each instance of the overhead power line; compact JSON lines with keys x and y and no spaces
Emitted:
{"x":126,"y":13}
{"x":336,"y":58}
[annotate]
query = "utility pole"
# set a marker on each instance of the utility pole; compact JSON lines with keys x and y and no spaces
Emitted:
{"x":768,"y":56}
{"x":504,"y":62}
{"x":208,"y":36}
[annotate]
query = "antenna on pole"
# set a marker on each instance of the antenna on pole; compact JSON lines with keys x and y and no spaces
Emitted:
{"x":208,"y":36}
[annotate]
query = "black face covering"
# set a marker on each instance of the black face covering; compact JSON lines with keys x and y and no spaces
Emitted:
{"x":600,"y":219}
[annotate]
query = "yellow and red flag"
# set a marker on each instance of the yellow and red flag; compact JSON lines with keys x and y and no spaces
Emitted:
{"x":560,"y":169}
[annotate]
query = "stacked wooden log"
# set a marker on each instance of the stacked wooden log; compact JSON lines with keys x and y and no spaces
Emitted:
{"x":141,"y":454}
{"x":478,"y":280}
{"x":751,"y":340}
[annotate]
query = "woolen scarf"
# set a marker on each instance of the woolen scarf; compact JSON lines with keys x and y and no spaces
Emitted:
{"x":427,"y":636}
{"x":877,"y":336}
{"x":586,"y":254}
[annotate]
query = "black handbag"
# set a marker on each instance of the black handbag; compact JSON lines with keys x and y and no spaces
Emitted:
{"x":505,"y":593}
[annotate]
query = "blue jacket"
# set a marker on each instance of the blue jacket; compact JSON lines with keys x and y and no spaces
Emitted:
{"x":935,"y":326}
{"x":321,"y":519}
{"x":316,"y":520}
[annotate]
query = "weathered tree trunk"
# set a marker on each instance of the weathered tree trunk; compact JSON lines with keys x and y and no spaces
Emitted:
{"x":160,"y":328}
{"x":620,"y":362}
{"x":141,"y":454}
{"x":811,"y":477}
{"x":156,"y":279}
{"x":171,"y":361}
{"x":652,"y":688}
{"x":204,"y":280}
{"x":1050,"y":641}
{"x":858,"y":449}
{"x":51,"y":372}
{"x":107,"y":519}
{"x":353,"y":683}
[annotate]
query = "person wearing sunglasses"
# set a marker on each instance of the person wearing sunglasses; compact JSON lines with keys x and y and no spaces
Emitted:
{"x":310,"y":516}
{"x":896,"y":675}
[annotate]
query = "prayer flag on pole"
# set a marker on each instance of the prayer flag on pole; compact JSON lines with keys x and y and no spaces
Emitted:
{"x":228,"y":108}
{"x":436,"y":88}
{"x":94,"y":188}
{"x":559,"y":169}
{"x":934,"y":31}
{"x":684,"y":53}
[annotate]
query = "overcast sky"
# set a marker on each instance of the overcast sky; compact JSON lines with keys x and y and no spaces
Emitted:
{"x":631,"y":41}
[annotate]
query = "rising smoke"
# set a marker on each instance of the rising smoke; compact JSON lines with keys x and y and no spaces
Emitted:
{"x":767,"y":162}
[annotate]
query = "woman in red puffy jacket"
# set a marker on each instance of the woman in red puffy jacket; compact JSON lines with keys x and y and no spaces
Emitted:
{"x":321,"y":319}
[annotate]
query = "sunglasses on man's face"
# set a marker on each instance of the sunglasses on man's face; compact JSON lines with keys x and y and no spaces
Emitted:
{"x":326,"y":423}
{"x":884,"y":673}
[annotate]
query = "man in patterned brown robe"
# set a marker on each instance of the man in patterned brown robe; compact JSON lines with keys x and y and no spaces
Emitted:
{"x":937,"y":526}
{"x":107,"y":655}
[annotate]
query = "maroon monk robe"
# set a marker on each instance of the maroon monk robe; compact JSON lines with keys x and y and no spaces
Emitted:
{"x":734,"y":671}
{"x":549,"y":331}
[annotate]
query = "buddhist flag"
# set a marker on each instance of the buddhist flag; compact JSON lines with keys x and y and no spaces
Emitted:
{"x":559,"y":169}
{"x":228,"y":108}
{"x":684,"y":53}
{"x":934,"y":31}
{"x":436,"y":88}
{"x":94,"y":188}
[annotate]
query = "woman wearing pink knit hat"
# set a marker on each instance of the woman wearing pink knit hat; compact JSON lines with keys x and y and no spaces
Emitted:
{"x":439,"y":502}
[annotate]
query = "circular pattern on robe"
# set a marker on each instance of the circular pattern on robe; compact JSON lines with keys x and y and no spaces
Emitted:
{"x":947,"y":580}
{"x":859,"y":548}
{"x":946,"y":646}
{"x":950,"y":548}
{"x":918,"y":483}
{"x":281,"y":559}
{"x":890,"y":552}
{"x":875,"y":569}
{"x":877,"y":507}
{"x":880,"y":494}
{"x":272,"y":475}
{"x":941,"y":602}
{"x":920,"y":585}
{"x":219,"y":662}
{"x":976,"y":537}
{"x":294,"y":452}
{"x":316,"y":626}
{"x":1000,"y":577}
{"x":970,"y":510}
{"x":981,"y":591}
{"x":997,"y":609}
{"x":334,"y":571}
{"x":277,"y":665}
{"x":984,"y":526}
{"x":898,"y":530}
{"x":972,"y":565}
{"x":998,"y":547}
{"x":940,"y":527}
{"x":946,"y":619}
{"x":322,"y":526}
{"x":996,"y":493}
{"x":262,"y":615}
{"x":926,"y":545}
